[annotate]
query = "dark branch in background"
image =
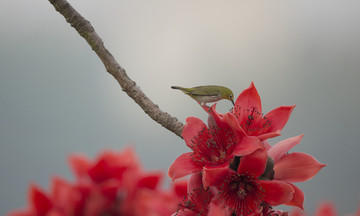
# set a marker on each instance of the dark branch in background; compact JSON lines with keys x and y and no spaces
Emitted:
{"x":85,"y":29}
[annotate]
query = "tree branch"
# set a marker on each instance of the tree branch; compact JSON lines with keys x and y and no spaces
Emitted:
{"x":86,"y":30}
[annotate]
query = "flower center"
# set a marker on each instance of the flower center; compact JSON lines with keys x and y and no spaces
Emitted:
{"x":251,"y":120}
{"x":242,"y":193}
{"x":211,"y":146}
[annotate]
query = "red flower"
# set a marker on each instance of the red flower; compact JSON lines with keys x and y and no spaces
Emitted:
{"x":199,"y":200}
{"x":118,"y":183}
{"x":211,"y":146}
{"x":248,"y":112}
{"x":242,"y":191}
{"x":114,"y":184}
{"x":109,"y":165}
{"x":293,"y":167}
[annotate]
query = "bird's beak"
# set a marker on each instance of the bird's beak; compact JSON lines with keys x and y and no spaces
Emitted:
{"x":233,"y":102}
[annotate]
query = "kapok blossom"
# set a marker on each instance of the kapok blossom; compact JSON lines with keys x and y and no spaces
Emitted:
{"x":199,"y":200}
{"x":114,"y":184}
{"x":242,"y":190}
{"x":293,"y":167}
{"x":248,"y":112}
{"x":249,"y":178}
{"x":211,"y":146}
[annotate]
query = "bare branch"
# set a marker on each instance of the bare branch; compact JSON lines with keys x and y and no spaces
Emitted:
{"x":86,"y":30}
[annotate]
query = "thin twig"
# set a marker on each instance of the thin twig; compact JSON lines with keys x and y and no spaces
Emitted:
{"x":86,"y":30}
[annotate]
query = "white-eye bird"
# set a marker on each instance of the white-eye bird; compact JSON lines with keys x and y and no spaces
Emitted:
{"x":208,"y":93}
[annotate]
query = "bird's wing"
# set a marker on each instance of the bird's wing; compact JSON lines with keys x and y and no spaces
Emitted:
{"x":208,"y":92}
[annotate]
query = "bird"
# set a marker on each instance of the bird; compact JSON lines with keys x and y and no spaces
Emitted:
{"x":207,"y":93}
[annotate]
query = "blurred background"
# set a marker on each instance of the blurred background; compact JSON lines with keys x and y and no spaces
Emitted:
{"x":56,"y":97}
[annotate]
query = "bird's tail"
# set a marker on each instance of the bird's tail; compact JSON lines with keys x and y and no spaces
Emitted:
{"x":185,"y":90}
{"x":176,"y":87}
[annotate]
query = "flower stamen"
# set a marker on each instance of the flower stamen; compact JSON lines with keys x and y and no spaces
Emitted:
{"x":242,"y":193}
{"x":212,"y":145}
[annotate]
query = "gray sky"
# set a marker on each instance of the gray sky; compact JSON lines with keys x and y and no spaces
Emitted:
{"x":56,"y":97}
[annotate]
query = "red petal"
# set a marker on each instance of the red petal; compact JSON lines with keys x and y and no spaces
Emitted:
{"x":266,"y":136}
{"x":214,"y":176}
{"x":211,"y":119}
{"x":79,"y":165}
{"x":266,"y":144}
{"x":205,"y":108}
{"x":198,"y":198}
{"x":100,"y":171}
{"x":298,"y":198}
{"x":61,"y":193}
{"x":110,"y":188}
{"x":39,"y":200}
{"x":247,"y":146}
{"x":111,"y":164}
{"x":249,"y":98}
{"x":180,"y":188}
{"x":217,"y":210}
{"x":278,"y":118}
{"x":297,"y":167}
{"x":226,"y":121}
{"x":254,"y":163}
{"x":150,"y":180}
{"x":195,"y":181}
{"x":214,"y":115}
{"x":233,"y":123}
{"x":185,"y":212}
{"x":276,"y":192}
{"x":182,"y":166}
{"x":191,"y":129}
{"x":281,"y":148}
